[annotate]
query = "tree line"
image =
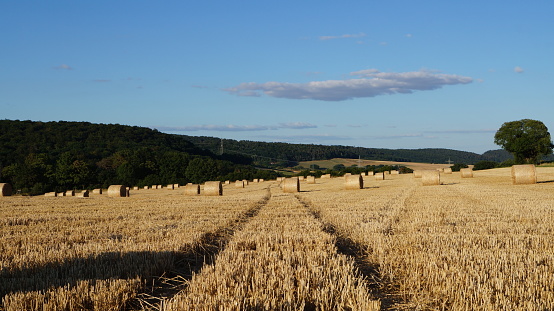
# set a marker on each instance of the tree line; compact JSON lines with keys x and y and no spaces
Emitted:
{"x":38,"y":157}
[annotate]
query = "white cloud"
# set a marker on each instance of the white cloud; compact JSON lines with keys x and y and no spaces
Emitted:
{"x":371,"y":83}
{"x":345,"y":36}
{"x":237,"y":128}
{"x":518,"y":69}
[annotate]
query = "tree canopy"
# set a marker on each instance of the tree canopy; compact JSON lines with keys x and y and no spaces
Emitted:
{"x":526,"y":139}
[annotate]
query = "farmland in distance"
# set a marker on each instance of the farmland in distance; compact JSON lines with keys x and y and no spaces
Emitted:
{"x":469,"y":244}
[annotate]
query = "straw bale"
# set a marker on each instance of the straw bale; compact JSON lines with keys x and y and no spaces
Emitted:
{"x":97,"y":191}
{"x":51,"y":194}
{"x":170,"y":187}
{"x":430,"y":177}
{"x":301,"y":178}
{"x":83,"y":194}
{"x":5,"y":190}
{"x":291,"y":185}
{"x":117,"y":191}
{"x":310,"y":179}
{"x":394,"y":172}
{"x":379,"y":176}
{"x":245,"y":182}
{"x":447,"y":170}
{"x":261,"y":180}
{"x":70,"y":193}
{"x":370,"y":173}
{"x":60,"y":194}
{"x":213,"y":188}
{"x":326,"y":176}
{"x":524,"y":174}
{"x":353,"y":182}
{"x":466,"y":172}
{"x":227,"y":182}
{"x":192,"y":189}
{"x":255,"y":180}
{"x":176,"y":186}
{"x":417,"y":173}
{"x":135,"y":188}
{"x":146,"y":187}
{"x":239,"y":184}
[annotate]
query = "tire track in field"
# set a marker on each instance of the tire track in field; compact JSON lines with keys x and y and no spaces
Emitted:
{"x":377,"y":286}
{"x":191,"y":259}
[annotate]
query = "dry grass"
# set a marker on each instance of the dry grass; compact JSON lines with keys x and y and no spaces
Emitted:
{"x":469,"y":244}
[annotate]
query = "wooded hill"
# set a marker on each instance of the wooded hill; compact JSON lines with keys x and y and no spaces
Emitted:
{"x":38,"y":157}
{"x":285,"y":154}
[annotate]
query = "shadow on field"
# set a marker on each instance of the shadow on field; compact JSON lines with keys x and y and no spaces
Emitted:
{"x":164,"y":273}
{"x":545,"y":181}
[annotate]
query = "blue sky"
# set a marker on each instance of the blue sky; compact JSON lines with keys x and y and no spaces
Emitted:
{"x":383,"y":74}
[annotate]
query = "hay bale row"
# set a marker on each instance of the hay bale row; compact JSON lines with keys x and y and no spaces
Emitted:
{"x":524,"y":174}
{"x":291,"y":185}
{"x":5,"y":190}
{"x":353,"y":182}
{"x":430,"y":177}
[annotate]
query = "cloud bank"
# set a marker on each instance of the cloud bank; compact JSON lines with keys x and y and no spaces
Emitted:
{"x":370,"y":83}
{"x":238,"y":128}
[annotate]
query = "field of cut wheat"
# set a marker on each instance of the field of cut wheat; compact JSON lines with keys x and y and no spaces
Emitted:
{"x":477,"y":243}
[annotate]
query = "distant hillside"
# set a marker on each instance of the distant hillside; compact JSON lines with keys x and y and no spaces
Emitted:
{"x":37,"y":157}
{"x":284,"y":152}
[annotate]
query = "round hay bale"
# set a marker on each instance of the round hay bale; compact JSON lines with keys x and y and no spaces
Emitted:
{"x":430,"y":177}
{"x":176,"y":186}
{"x":5,"y":190}
{"x":379,"y":176}
{"x":301,"y":178}
{"x":466,"y":172}
{"x":60,"y":194}
{"x":394,"y":172}
{"x":354,"y":182}
{"x":135,"y":188}
{"x":245,"y":182}
{"x":261,"y":180}
{"x":291,"y":185}
{"x":192,"y":189}
{"x":417,"y":173}
{"x":117,"y":191}
{"x":227,"y":182}
{"x":447,"y":170}
{"x":239,"y":184}
{"x":97,"y":191}
{"x":371,"y":173}
{"x":51,"y":194}
{"x":213,"y":188}
{"x":170,"y":187}
{"x":310,"y":179}
{"x":146,"y":187}
{"x":524,"y":174}
{"x":83,"y":194}
{"x":70,"y":193}
{"x":326,"y":176}
{"x":255,"y":180}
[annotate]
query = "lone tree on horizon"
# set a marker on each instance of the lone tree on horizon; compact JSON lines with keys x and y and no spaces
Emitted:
{"x":526,"y":139}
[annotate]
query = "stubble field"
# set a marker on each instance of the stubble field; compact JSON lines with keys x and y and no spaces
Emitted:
{"x":469,"y":244}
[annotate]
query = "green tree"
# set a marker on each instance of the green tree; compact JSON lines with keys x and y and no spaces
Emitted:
{"x":526,"y":139}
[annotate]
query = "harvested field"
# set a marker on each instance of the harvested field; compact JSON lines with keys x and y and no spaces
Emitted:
{"x":477,"y":243}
